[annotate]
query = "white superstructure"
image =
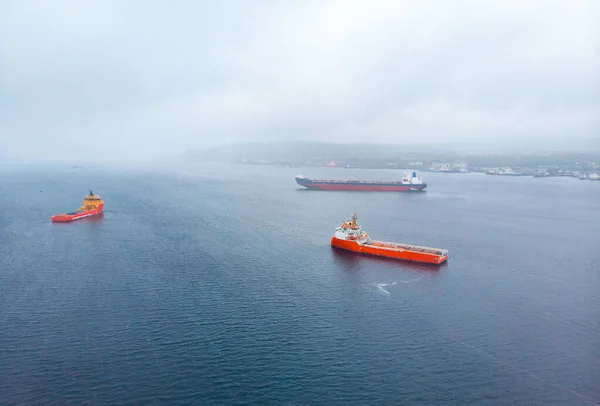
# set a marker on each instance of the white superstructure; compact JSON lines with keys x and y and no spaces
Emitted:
{"x":351,"y":230}
{"x":412,"y":180}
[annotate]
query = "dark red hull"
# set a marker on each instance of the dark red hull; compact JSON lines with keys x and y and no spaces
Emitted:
{"x":360,"y":185}
{"x":367,"y":188}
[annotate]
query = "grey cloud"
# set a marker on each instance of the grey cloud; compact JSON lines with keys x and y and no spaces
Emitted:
{"x":148,"y":78}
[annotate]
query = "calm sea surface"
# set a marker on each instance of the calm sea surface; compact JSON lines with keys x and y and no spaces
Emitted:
{"x":213,"y":284}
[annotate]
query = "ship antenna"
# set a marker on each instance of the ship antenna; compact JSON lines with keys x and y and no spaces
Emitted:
{"x":354,"y":217}
{"x":91,"y":192}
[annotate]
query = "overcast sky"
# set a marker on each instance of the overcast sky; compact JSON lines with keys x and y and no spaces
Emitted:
{"x":146,"y":78}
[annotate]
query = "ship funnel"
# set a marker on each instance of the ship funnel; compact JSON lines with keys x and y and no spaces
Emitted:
{"x":414,"y":174}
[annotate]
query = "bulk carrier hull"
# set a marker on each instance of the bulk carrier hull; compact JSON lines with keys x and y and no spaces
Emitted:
{"x":66,"y":217}
{"x":359,"y":185}
{"x":392,"y":250}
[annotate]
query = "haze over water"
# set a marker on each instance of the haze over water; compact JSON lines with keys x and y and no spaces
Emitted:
{"x":216,"y":284}
{"x":139,"y":79}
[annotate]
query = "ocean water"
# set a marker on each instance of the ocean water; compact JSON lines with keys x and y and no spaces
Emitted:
{"x":216,"y":284}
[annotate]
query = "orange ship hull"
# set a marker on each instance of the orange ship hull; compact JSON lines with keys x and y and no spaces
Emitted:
{"x":389,"y":250}
{"x":66,"y":217}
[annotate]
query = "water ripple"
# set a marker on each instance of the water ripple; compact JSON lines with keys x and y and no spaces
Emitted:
{"x":195,"y":288}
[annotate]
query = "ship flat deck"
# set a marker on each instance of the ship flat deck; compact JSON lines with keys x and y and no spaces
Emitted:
{"x":408,"y":247}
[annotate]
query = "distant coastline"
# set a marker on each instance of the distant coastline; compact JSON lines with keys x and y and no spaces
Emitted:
{"x":378,"y":156}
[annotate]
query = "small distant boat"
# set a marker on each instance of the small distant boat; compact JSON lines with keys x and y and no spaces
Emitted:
{"x":594,"y":176}
{"x":407,"y":184}
{"x":92,"y":206}
{"x":350,"y":236}
{"x":582,"y":176}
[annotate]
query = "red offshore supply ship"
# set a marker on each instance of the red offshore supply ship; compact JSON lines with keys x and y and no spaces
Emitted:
{"x":92,"y":206}
{"x":407,"y":184}
{"x":349,"y":236}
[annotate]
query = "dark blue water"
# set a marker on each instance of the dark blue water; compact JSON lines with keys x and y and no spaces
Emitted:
{"x":217,"y":285}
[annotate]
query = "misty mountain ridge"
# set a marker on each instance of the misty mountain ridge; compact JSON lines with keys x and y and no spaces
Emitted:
{"x":281,"y":151}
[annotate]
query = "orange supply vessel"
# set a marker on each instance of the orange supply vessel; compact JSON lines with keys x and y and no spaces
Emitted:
{"x":349,"y":236}
{"x":92,"y":206}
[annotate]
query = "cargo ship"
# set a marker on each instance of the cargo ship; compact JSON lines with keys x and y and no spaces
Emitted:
{"x":407,"y":184}
{"x":350,"y":236}
{"x":92,"y":206}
